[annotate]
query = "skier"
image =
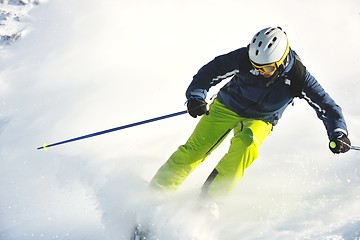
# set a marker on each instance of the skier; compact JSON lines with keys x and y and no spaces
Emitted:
{"x":266,"y":77}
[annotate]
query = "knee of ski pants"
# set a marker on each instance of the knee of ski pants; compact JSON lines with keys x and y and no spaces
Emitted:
{"x":246,"y":136}
{"x":252,"y":132}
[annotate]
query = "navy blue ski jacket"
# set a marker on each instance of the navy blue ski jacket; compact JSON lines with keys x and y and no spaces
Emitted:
{"x":251,"y":95}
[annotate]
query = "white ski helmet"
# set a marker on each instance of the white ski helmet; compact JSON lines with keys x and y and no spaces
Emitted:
{"x":270,"y":45}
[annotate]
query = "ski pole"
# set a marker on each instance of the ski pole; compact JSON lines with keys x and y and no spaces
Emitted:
{"x":46,"y":146}
{"x":355,"y":148}
{"x":333,"y":145}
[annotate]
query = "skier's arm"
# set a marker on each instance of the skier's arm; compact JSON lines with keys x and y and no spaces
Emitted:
{"x":215,"y":71}
{"x":326,"y":108}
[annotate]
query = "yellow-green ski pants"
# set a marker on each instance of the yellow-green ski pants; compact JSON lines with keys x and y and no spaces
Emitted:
{"x":208,"y":134}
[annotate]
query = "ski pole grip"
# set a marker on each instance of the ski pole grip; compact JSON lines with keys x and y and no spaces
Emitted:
{"x":332,"y":144}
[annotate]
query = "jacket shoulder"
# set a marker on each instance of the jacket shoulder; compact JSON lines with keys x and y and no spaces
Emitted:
{"x":297,"y":76}
{"x":244,"y":61}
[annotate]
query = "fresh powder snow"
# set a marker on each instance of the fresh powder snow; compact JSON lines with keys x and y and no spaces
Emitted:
{"x":70,"y":68}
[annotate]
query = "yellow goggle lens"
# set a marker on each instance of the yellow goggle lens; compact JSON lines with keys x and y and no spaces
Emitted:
{"x":270,"y":68}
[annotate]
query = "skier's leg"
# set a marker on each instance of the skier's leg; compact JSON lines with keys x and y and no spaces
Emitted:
{"x":248,"y":136}
{"x":208,"y":134}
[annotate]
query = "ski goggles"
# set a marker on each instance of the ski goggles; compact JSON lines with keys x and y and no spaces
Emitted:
{"x":268,"y":68}
{"x":271,"y":67}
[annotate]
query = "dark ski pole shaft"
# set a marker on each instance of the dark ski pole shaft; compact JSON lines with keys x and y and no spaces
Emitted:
{"x":355,"y":148}
{"x":45,"y":146}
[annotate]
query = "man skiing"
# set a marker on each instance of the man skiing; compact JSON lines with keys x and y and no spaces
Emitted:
{"x":266,"y":76}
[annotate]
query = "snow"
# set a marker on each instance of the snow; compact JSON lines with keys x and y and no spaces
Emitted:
{"x":77,"y":67}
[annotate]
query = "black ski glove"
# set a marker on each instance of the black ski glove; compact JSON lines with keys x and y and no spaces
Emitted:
{"x":197,"y":107}
{"x":339,"y":143}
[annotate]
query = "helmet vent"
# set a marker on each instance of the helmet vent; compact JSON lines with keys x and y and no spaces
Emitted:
{"x":272,"y":29}
{"x":273,"y":40}
{"x":257,"y":52}
{"x":260,"y":43}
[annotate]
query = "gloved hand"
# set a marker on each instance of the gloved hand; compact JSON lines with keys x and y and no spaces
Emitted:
{"x":339,"y":143}
{"x":197,"y":107}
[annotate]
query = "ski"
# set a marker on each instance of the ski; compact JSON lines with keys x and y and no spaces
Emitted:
{"x":140,"y":233}
{"x":136,"y":233}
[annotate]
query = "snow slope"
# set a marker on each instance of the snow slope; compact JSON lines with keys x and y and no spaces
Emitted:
{"x":84,"y":66}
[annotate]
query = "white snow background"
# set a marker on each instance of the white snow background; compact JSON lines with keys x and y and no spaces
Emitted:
{"x":86,"y":66}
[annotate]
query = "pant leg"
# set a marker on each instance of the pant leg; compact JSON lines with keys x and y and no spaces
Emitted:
{"x":243,"y":150}
{"x":208,"y":134}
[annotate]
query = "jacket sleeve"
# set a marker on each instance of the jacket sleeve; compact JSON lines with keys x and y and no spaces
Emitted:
{"x":326,"y":108}
{"x":220,"y":68}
